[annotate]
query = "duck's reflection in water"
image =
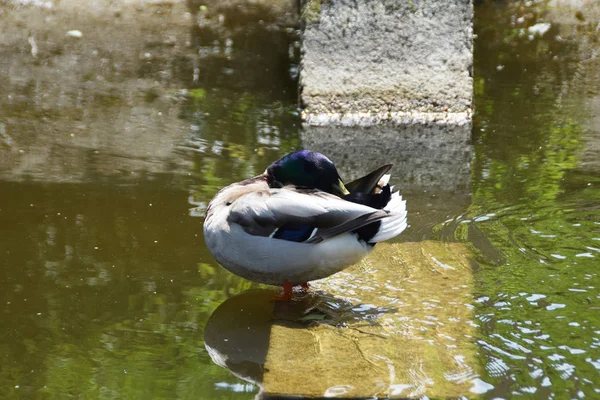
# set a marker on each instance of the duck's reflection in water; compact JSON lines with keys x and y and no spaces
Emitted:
{"x":238,"y":333}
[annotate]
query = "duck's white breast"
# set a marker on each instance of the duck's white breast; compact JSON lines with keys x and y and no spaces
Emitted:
{"x":274,"y":261}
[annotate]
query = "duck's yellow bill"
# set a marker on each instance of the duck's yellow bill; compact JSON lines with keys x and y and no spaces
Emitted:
{"x":340,"y":189}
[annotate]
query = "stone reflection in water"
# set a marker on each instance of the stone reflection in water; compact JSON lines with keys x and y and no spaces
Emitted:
{"x":399,"y":325}
{"x":114,"y":102}
{"x":78,"y":108}
{"x":431,"y":164}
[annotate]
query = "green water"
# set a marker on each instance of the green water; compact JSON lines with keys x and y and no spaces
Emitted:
{"x":535,"y":216}
{"x":105,"y":283}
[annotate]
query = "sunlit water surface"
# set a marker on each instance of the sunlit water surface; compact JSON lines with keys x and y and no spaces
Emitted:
{"x":106,"y":287}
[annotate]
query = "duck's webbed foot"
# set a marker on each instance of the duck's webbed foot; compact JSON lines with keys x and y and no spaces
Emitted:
{"x":288,"y":289}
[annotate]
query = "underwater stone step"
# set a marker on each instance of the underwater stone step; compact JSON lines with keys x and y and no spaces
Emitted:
{"x":410,"y":335}
{"x":371,"y":61}
{"x":398,"y":342}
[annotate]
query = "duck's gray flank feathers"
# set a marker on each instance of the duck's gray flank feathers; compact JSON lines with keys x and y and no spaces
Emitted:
{"x":262,"y":213}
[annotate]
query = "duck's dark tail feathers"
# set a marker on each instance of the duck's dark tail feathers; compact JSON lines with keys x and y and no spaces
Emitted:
{"x":373,"y":190}
{"x":368,"y":183}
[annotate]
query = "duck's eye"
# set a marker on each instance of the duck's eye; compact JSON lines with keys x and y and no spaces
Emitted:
{"x":228,"y":203}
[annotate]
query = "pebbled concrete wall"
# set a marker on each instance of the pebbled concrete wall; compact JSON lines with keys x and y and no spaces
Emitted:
{"x":370,"y":61}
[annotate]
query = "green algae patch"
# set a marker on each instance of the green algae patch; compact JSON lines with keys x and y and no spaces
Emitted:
{"x":408,"y":330}
{"x":311,"y":12}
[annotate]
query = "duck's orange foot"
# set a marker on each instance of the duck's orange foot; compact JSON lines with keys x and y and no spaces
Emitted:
{"x":288,"y":289}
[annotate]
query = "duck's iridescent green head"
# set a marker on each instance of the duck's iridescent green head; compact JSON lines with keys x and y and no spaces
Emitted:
{"x":307,"y":169}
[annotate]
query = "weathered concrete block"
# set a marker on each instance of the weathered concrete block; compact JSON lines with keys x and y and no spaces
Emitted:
{"x":368,"y":61}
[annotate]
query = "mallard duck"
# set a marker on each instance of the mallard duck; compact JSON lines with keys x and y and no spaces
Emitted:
{"x":298,"y":222}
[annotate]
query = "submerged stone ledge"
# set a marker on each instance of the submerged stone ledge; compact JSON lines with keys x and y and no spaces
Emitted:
{"x":426,"y":156}
{"x":400,"y":324}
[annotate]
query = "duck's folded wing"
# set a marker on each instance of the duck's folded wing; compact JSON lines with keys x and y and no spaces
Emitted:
{"x":300,"y":217}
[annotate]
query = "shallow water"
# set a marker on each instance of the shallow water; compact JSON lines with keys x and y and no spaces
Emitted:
{"x":108,"y":291}
{"x":534,"y":222}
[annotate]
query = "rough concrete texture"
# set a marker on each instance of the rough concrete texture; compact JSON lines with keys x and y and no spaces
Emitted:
{"x":365,"y":61}
{"x":377,"y":330}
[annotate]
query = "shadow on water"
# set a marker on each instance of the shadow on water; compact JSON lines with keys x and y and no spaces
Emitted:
{"x":380,"y":329}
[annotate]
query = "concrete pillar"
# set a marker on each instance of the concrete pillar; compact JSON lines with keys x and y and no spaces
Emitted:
{"x":370,"y":61}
